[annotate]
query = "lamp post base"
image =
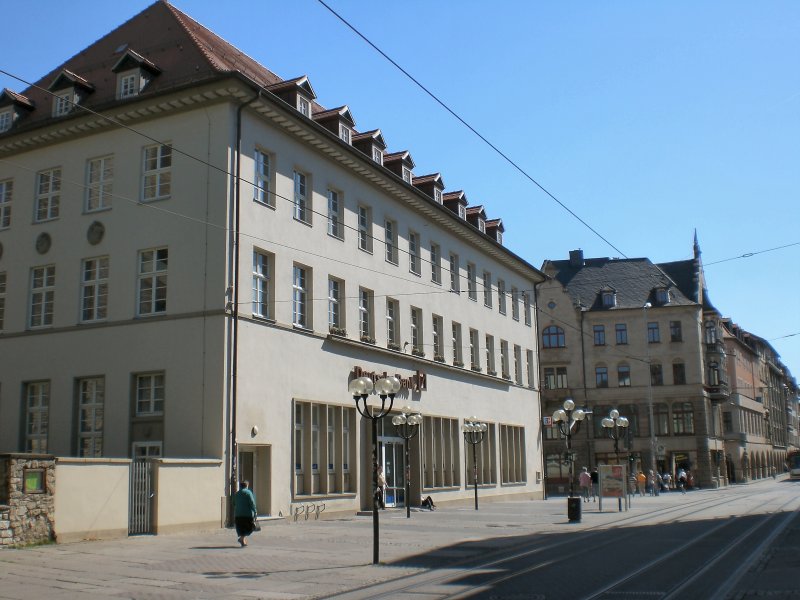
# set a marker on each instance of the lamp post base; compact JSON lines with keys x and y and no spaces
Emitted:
{"x":574,"y":509}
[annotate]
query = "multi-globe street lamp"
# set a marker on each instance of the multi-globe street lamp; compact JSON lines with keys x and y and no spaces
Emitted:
{"x":566,"y":419}
{"x":613,"y":423}
{"x":361,"y":388}
{"x":407,"y":425}
{"x":474,"y":432}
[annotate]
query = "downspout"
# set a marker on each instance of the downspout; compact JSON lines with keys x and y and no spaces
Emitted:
{"x":234,"y":295}
{"x":538,"y":369}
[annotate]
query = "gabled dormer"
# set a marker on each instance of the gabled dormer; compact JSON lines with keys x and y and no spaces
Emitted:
{"x":133,"y":72}
{"x":12,"y":107}
{"x":662,"y":295}
{"x":456,"y":202}
{"x":432,"y":185}
{"x":338,"y":121}
{"x":68,"y":91}
{"x":296,"y":92}
{"x":608,"y":297}
{"x":477,"y":216}
{"x":401,"y":164}
{"x":371,"y":143}
{"x":495,"y":230}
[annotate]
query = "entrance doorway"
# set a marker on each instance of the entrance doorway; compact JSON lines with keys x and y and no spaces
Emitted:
{"x":255,"y":466}
{"x":393,"y":460}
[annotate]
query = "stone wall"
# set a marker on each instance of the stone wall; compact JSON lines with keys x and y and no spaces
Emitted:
{"x":26,"y":517}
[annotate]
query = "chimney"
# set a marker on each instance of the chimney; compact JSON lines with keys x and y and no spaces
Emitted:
{"x":576,"y":258}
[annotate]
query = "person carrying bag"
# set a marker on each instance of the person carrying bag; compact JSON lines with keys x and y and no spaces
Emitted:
{"x":245,"y":513}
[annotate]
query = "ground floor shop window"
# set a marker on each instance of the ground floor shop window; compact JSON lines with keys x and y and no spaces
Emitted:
{"x":556,"y":467}
{"x":512,"y":454}
{"x":323,"y":448}
{"x":485,"y":454}
{"x":440,"y":448}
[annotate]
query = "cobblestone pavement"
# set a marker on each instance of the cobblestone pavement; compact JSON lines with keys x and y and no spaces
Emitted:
{"x":312,"y":559}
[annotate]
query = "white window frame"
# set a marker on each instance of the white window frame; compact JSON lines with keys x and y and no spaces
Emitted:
{"x":91,"y":406}
{"x":6,"y":120}
{"x":37,"y":416}
{"x":407,"y":175}
{"x":490,"y":358}
{"x":414,"y":262}
{"x":301,"y":211}
{"x":487,"y":289}
{"x":365,"y":316}
{"x":262,"y":181}
{"x":156,"y":172}
{"x":63,"y":103}
{"x":129,"y":84}
{"x":517,"y":364}
{"x":344,"y":133}
{"x":472,"y":282}
{"x":526,"y":305}
{"x":458,"y":352}
{"x":462,"y":212}
{"x":474,"y":350}
{"x":150,"y":389}
{"x":437,"y":195}
{"x":392,"y":322}
{"x":263,"y":292}
{"x":455,"y":275}
{"x":335,"y":221}
{"x":365,"y":228}
{"x":436,"y":264}
{"x":42,"y":298}
{"x":438,"y":336}
{"x":301,"y":280}
{"x":99,"y":183}
{"x":147,"y":449}
{"x":515,"y":304}
{"x":48,"y":194}
{"x":501,"y":296}
{"x":303,"y":106}
{"x":335,"y":303}
{"x":152,"y":281}
{"x":377,"y":155}
{"x":504,"y":366}
{"x":6,"y":196}
{"x":94,"y":289}
{"x":416,"y":330}
{"x":390,"y":240}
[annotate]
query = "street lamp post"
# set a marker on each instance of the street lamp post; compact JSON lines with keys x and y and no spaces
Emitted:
{"x":566,"y":419}
{"x":407,"y":425}
{"x":613,"y":422}
{"x":361,"y":388}
{"x":474,"y":432}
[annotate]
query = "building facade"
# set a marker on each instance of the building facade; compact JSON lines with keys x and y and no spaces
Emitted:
{"x":197,"y":258}
{"x":644,"y":339}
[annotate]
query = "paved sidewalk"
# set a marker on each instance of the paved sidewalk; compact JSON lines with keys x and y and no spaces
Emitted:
{"x":306,"y":559}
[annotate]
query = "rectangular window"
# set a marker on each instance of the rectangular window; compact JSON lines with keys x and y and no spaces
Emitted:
{"x":441,"y":463}
{"x":335,"y":308}
{"x":146,"y":449}
{"x":504,"y":360}
{"x":392,"y":324}
{"x":91,"y":405}
{"x":413,"y":253}
{"x":601,"y":377}
{"x":472,"y":282}
{"x":458,"y":357}
{"x":678,"y":374}
{"x":43,"y":291}
{"x":653,"y":335}
{"x":438,"y":340}
{"x":99,"y":180}
{"x":561,"y":378}
{"x":390,"y":239}
{"x":437,"y":195}
{"x":512,"y":454}
{"x":490,"y":364}
{"x":416,"y":332}
{"x":436,"y":265}
{"x":263,"y":293}
{"x":501,"y":296}
{"x":335,"y":223}
{"x":365,"y":315}
{"x":63,"y":104}
{"x":365,"y":228}
{"x":48,"y":194}
{"x":262,"y":185}
{"x":624,"y":375}
{"x":656,"y":374}
{"x":675,"y":334}
{"x":127,"y":85}
{"x":6,"y":120}
{"x":2,"y":299}
{"x":515,"y":304}
{"x":315,"y":438}
{"x":149,"y":394}
{"x":37,"y":412}
{"x":407,"y":175}
{"x":474,"y":350}
{"x":486,"y":459}
{"x":157,"y":172}
{"x":621,"y":330}
{"x":599,"y":335}
{"x":94,"y":289}
{"x":302,"y":208}
{"x":487,"y":289}
{"x":727,"y":422}
{"x":526,"y":302}
{"x":344,"y":133}
{"x":298,"y":440}
{"x":377,"y":155}
{"x":6,"y":193}
{"x":300,"y":297}
{"x":304,"y":106}
{"x":322,"y":442}
{"x":153,"y":281}
{"x":529,"y":360}
{"x":455,"y":280}
{"x":517,"y":365}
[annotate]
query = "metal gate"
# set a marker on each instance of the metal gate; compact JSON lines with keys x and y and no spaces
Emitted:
{"x":140,"y":503}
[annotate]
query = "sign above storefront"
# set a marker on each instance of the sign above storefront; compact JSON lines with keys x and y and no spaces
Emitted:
{"x":418,"y":382}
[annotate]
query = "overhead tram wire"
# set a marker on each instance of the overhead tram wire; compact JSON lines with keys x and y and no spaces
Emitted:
{"x":502,"y":154}
{"x":750,"y":254}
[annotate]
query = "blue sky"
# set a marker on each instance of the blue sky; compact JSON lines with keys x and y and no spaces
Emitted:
{"x":648,"y":120}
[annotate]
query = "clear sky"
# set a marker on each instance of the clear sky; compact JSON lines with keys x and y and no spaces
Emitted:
{"x":648,"y":120}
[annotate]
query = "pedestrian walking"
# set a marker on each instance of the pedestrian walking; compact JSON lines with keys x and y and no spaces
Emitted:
{"x":585,"y":481}
{"x":595,"y":482}
{"x":380,"y":492}
{"x":682,"y":479}
{"x":244,"y":512}
{"x":641,"y":480}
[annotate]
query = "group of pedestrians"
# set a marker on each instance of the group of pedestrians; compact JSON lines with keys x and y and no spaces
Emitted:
{"x":588,"y":482}
{"x":653,"y":483}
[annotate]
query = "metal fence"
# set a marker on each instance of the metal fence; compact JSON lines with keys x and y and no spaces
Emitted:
{"x":140,"y":511}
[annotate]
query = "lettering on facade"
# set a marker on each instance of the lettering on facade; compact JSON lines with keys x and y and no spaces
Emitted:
{"x":418,"y":382}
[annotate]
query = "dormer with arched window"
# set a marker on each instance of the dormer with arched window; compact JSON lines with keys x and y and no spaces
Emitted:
{"x":608,"y":297}
{"x":68,"y":90}
{"x":134,"y":72}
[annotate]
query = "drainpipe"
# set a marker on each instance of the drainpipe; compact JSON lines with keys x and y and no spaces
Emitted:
{"x":234,"y":299}
{"x":538,"y":369}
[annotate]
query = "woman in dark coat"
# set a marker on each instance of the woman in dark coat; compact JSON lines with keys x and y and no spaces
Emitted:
{"x":244,"y":512}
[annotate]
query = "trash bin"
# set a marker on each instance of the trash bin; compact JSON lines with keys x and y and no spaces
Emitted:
{"x":574,"y":509}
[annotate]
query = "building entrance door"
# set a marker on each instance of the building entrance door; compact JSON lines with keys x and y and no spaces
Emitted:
{"x":392,"y":453}
{"x":254,"y":466}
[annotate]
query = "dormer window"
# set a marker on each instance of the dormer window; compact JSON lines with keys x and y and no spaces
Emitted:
{"x":128,"y":85}
{"x":437,"y":195}
{"x":407,"y":175}
{"x":481,"y":225}
{"x":662,"y":296}
{"x":462,"y":211}
{"x":304,"y":106}
{"x":609,"y":299}
{"x":344,"y":133}
{"x":134,"y":72}
{"x":377,"y":155}
{"x":6,"y":118}
{"x":499,"y":237}
{"x":63,"y":103}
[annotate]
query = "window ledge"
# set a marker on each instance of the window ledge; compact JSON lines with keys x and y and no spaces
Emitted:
{"x":264,"y":204}
{"x":302,"y":222}
{"x":336,"y":237}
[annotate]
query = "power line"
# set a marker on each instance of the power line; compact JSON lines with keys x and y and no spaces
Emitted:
{"x":471,"y":128}
{"x":749,"y":254}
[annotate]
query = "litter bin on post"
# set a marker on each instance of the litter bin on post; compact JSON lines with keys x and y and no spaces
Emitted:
{"x":574,"y":509}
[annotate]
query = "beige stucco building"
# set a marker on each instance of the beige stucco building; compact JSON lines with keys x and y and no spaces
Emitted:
{"x":197,"y":258}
